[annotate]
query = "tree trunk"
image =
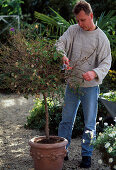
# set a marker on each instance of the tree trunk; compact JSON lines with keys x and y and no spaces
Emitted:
{"x":47,"y":117}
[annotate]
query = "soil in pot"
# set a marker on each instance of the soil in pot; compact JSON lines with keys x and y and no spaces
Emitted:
{"x":51,"y":140}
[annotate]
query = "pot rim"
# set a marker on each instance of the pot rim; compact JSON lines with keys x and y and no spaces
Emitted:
{"x":47,"y":146}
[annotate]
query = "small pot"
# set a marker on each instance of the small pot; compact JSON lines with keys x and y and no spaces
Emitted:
{"x":48,"y":156}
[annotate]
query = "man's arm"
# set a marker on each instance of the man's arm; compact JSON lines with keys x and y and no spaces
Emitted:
{"x":104,"y":60}
{"x":63,"y":44}
{"x":104,"y":63}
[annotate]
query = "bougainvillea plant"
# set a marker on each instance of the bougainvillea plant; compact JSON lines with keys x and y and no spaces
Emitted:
{"x":31,"y":67}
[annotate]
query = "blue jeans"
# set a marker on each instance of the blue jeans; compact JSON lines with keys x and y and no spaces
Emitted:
{"x":88,"y":96}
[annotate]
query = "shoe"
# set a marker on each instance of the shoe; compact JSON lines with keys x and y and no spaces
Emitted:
{"x":66,"y":158}
{"x":86,"y":162}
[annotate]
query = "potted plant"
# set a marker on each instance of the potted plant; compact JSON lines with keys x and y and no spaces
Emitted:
{"x":31,"y":67}
{"x":109,"y":101}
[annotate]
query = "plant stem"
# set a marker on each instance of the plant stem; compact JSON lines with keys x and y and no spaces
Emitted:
{"x":47,"y":116}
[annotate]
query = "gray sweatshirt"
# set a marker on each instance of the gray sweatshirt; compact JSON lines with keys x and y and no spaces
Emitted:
{"x":87,"y":51}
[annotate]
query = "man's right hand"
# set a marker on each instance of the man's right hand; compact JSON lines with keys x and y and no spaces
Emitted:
{"x":66,"y":62}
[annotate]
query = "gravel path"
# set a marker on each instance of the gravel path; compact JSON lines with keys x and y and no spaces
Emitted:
{"x":14,"y":148}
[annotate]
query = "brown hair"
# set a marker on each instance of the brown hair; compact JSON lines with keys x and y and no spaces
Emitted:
{"x":82,"y":5}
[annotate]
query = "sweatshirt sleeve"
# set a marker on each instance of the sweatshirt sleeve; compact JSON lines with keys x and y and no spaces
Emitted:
{"x":63,"y":45}
{"x":104,"y":59}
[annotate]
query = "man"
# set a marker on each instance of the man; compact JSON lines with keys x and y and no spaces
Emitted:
{"x":88,"y":49}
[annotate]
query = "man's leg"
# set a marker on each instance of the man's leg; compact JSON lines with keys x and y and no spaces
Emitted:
{"x":71,"y":104}
{"x":89,"y":101}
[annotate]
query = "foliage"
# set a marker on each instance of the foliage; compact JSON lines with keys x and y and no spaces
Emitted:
{"x":100,"y":5}
{"x":113,"y":58}
{"x":108,"y":23}
{"x":106,"y":86}
{"x":54,"y":23}
{"x":111,"y":96}
{"x":36,"y":119}
{"x":58,"y":24}
{"x":33,"y":65}
{"x":30,"y":66}
{"x":34,"y":30}
{"x":106,"y":143}
{"x":102,"y":114}
{"x":62,"y":7}
{"x":9,"y":7}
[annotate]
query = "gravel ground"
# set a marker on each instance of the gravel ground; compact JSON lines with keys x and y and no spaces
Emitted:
{"x":14,"y":148}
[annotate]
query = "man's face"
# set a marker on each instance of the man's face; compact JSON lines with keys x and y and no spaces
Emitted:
{"x":85,"y":21}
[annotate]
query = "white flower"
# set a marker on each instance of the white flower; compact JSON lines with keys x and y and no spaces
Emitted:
{"x":92,"y":134}
{"x":100,"y":118}
{"x":105,"y":124}
{"x":110,"y":149}
{"x":114,"y":166}
{"x":110,"y":160}
{"x":100,"y":134}
{"x":87,"y":131}
{"x":99,"y":161}
{"x":111,"y":135}
{"x":97,"y":123}
{"x":114,"y":132}
{"x":107,"y":145}
{"x":83,"y":140}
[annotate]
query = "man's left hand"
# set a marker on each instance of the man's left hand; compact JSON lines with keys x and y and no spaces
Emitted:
{"x":90,"y":75}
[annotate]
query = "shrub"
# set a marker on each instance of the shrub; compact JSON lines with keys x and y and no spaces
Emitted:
{"x":36,"y":119}
{"x":111,"y":77}
{"x":31,"y":67}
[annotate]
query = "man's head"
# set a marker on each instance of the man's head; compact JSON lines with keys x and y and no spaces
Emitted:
{"x":84,"y":15}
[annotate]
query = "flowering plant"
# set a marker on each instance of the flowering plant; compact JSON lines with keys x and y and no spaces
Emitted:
{"x":106,"y":143}
{"x":31,"y":66}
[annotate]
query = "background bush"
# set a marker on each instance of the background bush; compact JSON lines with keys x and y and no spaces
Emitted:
{"x":109,"y":83}
{"x":36,"y":119}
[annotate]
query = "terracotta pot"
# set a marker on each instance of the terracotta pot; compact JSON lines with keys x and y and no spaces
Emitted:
{"x":48,"y":156}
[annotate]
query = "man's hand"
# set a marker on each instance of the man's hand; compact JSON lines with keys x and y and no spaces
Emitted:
{"x":90,"y":75}
{"x":66,"y":62}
